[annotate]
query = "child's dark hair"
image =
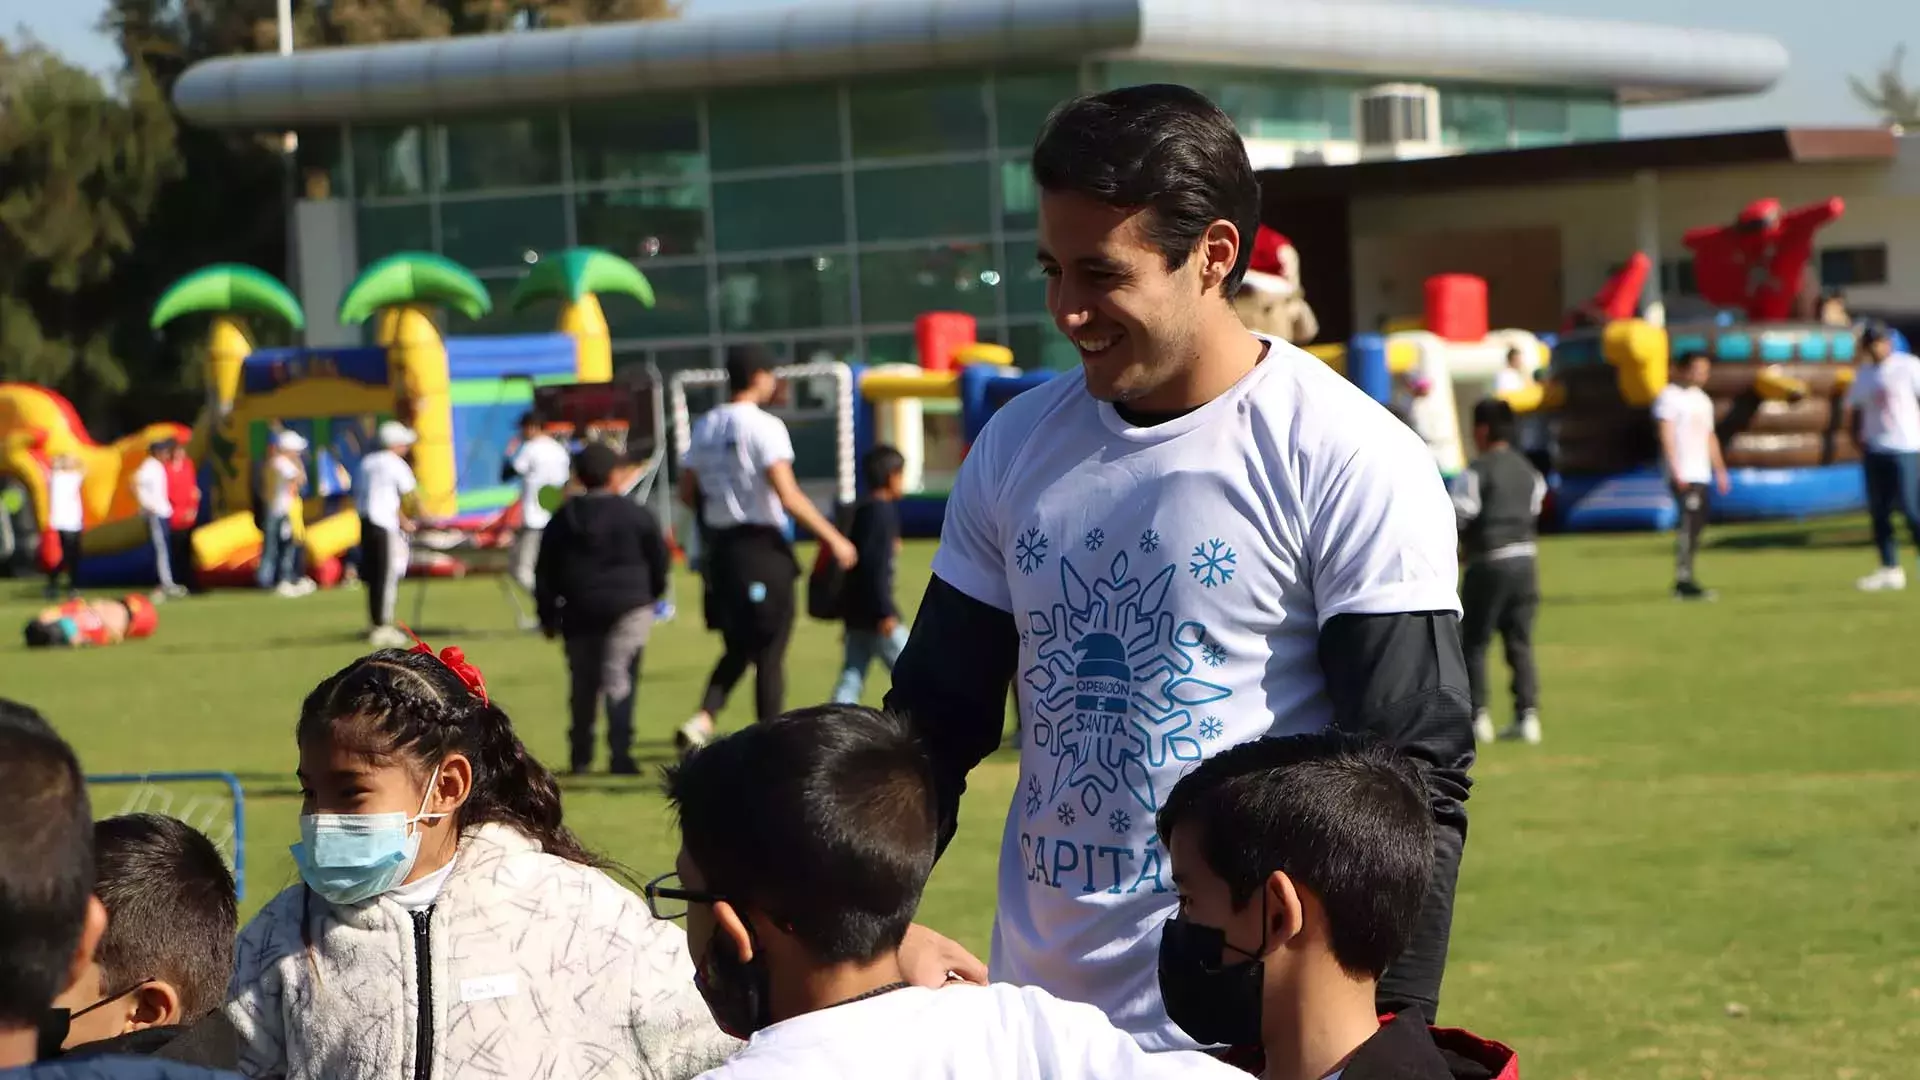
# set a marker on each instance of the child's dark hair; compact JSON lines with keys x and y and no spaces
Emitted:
{"x":410,"y":706}
{"x":171,"y":911}
{"x":879,"y":465}
{"x":824,"y":820}
{"x":1497,"y":417}
{"x":1345,"y":817}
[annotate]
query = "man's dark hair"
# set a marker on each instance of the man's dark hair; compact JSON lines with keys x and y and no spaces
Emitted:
{"x":171,"y":911}
{"x":746,"y":361}
{"x":594,"y":465}
{"x":1497,"y":417}
{"x":1688,"y":357}
{"x":823,"y":819}
{"x":1162,"y":148}
{"x":46,"y":863}
{"x":1875,"y":332}
{"x":1346,"y":818}
{"x":879,"y":465}
{"x":532,"y":418}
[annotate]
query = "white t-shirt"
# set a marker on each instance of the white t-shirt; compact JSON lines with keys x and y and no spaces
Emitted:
{"x":1690,"y":411}
{"x":284,"y":473}
{"x":1888,"y":397}
{"x":385,"y":478}
{"x":1507,"y":380}
{"x":150,"y":489}
{"x":730,"y":451}
{"x":957,"y":1033}
{"x":66,"y":511}
{"x":1169,"y":584}
{"x":541,"y":462}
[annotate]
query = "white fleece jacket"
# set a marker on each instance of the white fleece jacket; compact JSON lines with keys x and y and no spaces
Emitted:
{"x":532,"y":967}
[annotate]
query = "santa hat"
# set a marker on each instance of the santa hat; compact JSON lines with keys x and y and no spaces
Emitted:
{"x":1274,"y":263}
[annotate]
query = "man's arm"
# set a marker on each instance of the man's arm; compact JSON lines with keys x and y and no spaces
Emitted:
{"x":1402,"y":678}
{"x":795,"y":501}
{"x":1720,"y":481}
{"x":951,"y":682}
{"x":689,"y":489}
{"x":1466,"y":498}
{"x":1669,"y":451}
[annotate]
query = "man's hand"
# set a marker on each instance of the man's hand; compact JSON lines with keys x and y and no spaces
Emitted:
{"x":844,"y":552}
{"x":1721,"y":481}
{"x":932,"y":961}
{"x":552,"y":632}
{"x":888,"y":625}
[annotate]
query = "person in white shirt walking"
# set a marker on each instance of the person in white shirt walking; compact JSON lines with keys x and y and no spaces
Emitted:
{"x":738,"y":476}
{"x":1690,"y":456}
{"x":150,"y":493}
{"x":536,"y":461}
{"x":286,"y":478}
{"x":805,"y":846}
{"x":385,"y":481}
{"x":67,"y":519}
{"x":1884,"y":418}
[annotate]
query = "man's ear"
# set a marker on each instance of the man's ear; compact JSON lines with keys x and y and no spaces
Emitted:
{"x":727,"y":923}
{"x":1219,"y":250}
{"x":92,"y":929}
{"x":156,"y":1004}
{"x":1286,"y":913}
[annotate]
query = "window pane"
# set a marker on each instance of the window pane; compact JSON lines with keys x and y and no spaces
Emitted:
{"x":535,"y":319}
{"x":636,"y":139}
{"x":786,"y":294}
{"x":389,"y":161}
{"x":823,"y":350}
{"x":893,"y":349}
{"x":1473,"y":119}
{"x":1026,"y":285}
{"x":1019,"y":197}
{"x":1263,"y":106}
{"x":1022,"y":100}
{"x":679,"y":305}
{"x":1337,"y":102}
{"x":1539,"y":119}
{"x":934,"y":115}
{"x":899,"y":286}
{"x":1593,"y":119}
{"x":475,"y":155}
{"x":322,"y":161}
{"x":1040,"y":347}
{"x":759,"y":129}
{"x":641,"y":223}
{"x":383,"y":230}
{"x":923,"y":200}
{"x":668,"y":361}
{"x":791,"y":212}
{"x":482,"y":233}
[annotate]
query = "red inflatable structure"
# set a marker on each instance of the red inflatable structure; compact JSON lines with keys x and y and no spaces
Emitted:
{"x":1759,"y":262}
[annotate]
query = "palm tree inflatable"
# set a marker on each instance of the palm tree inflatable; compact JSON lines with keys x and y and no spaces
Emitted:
{"x":402,"y":289}
{"x":229,"y":291}
{"x":577,"y":277}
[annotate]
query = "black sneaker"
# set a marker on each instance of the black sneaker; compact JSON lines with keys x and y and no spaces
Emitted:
{"x":624,"y":767}
{"x":1687,"y":590}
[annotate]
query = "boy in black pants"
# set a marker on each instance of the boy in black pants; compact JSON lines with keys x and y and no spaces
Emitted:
{"x":1497,"y":503}
{"x":873,"y":624}
{"x":603,"y":562}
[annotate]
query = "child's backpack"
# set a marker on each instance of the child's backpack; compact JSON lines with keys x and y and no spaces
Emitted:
{"x":827,"y":584}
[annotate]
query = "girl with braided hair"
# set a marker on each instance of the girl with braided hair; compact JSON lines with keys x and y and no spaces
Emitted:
{"x":447,"y":922}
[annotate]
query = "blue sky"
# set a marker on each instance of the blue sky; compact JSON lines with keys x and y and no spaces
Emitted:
{"x":1828,"y":39}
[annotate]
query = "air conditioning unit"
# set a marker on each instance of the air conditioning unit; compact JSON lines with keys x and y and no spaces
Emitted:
{"x":1398,"y":120}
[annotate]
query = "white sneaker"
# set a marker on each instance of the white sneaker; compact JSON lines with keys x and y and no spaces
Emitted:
{"x":175,"y":592}
{"x":1885,"y":579}
{"x":1482,"y":727}
{"x":1526,"y":729}
{"x":307,"y":586}
{"x":287,"y":588}
{"x":387,"y":637}
{"x":693,"y":734}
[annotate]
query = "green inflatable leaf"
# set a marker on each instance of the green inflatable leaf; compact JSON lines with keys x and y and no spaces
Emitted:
{"x":414,"y":277}
{"x":227,"y":287}
{"x":577,"y":272}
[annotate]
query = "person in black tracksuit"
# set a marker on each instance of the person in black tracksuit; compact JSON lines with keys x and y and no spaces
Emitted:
{"x":873,"y":626}
{"x":1497,"y":502}
{"x":603,"y":562}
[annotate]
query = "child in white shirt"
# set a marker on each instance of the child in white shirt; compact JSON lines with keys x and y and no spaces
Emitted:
{"x":150,"y":492}
{"x":67,"y":519}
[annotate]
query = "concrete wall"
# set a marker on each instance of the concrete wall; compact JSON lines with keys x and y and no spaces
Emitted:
{"x":1596,"y":222}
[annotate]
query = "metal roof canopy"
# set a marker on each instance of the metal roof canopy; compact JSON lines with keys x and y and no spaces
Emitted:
{"x":1577,"y":161}
{"x":809,"y":42}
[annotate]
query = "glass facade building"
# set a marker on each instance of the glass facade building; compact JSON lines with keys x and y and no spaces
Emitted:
{"x":820,"y":218}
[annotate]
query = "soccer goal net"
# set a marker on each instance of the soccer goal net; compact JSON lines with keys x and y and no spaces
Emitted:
{"x":210,"y":802}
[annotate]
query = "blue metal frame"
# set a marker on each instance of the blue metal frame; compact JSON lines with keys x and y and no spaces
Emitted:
{"x":239,"y":810}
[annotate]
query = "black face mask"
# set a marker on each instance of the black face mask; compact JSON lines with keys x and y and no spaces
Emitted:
{"x":57,"y":1024}
{"x":1215,"y":1004}
{"x":735,"y":991}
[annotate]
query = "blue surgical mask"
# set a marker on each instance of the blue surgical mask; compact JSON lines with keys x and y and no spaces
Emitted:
{"x":350,"y":858}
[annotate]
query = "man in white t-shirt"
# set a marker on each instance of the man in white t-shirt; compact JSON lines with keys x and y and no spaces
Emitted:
{"x":798,"y":887}
{"x":286,"y":479}
{"x":537,"y":461}
{"x":738,"y":477}
{"x":1690,"y":458}
{"x":385,"y":481}
{"x":1884,"y":417}
{"x":67,"y":519}
{"x":1202,"y":537}
{"x":150,"y":494}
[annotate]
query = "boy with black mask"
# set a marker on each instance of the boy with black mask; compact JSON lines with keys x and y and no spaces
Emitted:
{"x":1301,"y":864}
{"x":805,"y":845}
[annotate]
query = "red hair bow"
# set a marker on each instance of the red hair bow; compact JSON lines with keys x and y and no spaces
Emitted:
{"x":456,"y":662}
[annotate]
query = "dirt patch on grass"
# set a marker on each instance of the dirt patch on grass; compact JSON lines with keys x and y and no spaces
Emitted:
{"x":1906,"y":695}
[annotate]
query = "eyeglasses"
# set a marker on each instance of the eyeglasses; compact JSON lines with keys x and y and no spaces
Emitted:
{"x":667,"y":900}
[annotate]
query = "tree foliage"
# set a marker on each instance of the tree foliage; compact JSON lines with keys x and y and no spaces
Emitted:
{"x":1889,"y":94}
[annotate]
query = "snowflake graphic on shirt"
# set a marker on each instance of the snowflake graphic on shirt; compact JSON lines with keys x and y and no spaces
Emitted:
{"x":1030,"y":551}
{"x":1149,"y":542}
{"x":1212,"y":563}
{"x":1095,"y":538}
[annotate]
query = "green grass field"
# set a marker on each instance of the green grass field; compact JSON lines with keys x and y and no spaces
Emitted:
{"x":1710,"y":870}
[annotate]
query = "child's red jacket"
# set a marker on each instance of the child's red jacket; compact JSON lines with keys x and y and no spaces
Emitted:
{"x":1405,"y":1049}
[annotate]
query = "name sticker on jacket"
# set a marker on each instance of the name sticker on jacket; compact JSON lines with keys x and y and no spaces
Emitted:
{"x":488,"y":987}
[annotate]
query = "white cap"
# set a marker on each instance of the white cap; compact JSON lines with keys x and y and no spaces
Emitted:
{"x":291,"y":441}
{"x":394,"y":433}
